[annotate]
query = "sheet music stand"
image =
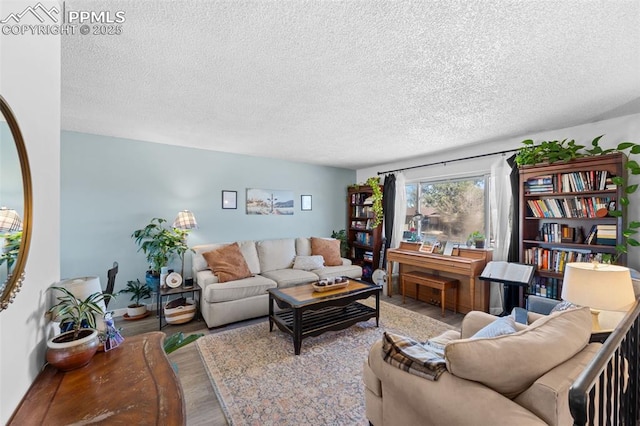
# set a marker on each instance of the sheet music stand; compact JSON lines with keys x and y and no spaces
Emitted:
{"x":514,"y":276}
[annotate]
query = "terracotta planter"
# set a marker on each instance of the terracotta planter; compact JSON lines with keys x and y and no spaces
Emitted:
{"x":134,"y":311}
{"x":66,"y":354}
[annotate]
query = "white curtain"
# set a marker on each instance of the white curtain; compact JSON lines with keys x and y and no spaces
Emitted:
{"x":501,"y":206}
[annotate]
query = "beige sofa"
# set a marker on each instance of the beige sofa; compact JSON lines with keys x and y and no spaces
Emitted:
{"x":271,"y":263}
{"x":516,"y":379}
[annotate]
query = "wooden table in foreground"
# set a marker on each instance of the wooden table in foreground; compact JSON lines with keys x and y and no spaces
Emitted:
{"x":465,"y":265}
{"x":131,"y":384}
{"x":308,"y":313}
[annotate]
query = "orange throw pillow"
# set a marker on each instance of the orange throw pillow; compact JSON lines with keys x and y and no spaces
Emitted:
{"x":227,"y":263}
{"x":328,"y":249}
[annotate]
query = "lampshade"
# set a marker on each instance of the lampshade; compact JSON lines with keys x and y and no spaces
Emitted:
{"x":9,"y":220}
{"x":185,"y":220}
{"x":598,"y":286}
{"x":83,"y":287}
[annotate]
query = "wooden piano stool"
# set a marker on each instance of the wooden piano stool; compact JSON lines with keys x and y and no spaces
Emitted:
{"x":432,"y":281}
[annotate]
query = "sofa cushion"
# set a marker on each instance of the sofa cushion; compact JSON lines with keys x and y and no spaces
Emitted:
{"x":289,"y":277}
{"x":303,"y":246}
{"x":227,"y":263}
{"x":344,"y":270}
{"x":248,"y":249}
{"x":238,"y":289}
{"x":276,"y":254}
{"x":329,"y":249}
{"x":509,"y":364}
{"x":308,"y":263}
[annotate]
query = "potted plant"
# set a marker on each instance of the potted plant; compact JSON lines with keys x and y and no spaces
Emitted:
{"x":344,"y":244}
{"x":159,"y":243}
{"x":478,"y":239}
{"x":138,"y":292}
{"x":79,"y":341}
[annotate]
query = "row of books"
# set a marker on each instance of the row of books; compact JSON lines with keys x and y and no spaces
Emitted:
{"x":592,"y":180}
{"x":546,"y":287}
{"x":367,"y":256}
{"x":603,"y":234}
{"x":364,"y":238}
{"x":363,"y":211}
{"x":575,"y":207}
{"x":555,"y":259}
{"x":557,"y":233}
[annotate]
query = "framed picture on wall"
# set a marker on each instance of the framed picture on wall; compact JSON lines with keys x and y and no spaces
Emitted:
{"x":305,"y":202}
{"x":229,"y":199}
{"x":269,"y":202}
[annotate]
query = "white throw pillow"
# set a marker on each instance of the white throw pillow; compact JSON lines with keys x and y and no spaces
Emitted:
{"x":308,"y":263}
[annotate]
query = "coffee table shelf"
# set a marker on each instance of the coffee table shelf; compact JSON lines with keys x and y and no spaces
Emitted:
{"x":315,"y":323}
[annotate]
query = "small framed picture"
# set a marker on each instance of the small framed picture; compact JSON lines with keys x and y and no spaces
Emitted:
{"x":229,"y":199}
{"x":305,"y":202}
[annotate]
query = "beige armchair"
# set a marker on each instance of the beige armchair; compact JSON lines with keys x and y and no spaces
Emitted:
{"x":517,"y":379}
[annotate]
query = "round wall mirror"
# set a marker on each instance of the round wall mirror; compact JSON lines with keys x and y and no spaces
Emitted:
{"x":15,"y":206}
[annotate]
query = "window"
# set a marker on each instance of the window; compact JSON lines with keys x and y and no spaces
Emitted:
{"x":447,"y":210}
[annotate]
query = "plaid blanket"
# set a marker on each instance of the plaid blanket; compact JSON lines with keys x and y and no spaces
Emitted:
{"x":412,"y":357}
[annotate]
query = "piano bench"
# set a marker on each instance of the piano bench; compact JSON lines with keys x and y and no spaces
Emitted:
{"x":433,"y":281}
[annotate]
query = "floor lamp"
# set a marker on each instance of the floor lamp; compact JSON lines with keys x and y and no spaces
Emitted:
{"x":185,"y":220}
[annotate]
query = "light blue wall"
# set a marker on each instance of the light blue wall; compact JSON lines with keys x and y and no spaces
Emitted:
{"x":112,"y":186}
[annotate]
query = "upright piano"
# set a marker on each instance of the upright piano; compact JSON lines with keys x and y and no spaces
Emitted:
{"x":465,"y":264}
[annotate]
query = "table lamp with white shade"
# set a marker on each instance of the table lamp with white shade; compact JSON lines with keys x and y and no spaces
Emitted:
{"x":599,"y":286}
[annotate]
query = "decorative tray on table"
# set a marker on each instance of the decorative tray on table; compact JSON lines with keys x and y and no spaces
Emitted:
{"x":329,"y":284}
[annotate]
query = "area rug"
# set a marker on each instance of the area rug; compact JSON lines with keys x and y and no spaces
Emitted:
{"x":259,"y":380}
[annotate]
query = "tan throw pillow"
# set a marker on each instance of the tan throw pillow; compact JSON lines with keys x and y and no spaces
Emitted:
{"x":227,"y":263}
{"x":509,"y":364}
{"x":328,"y":249}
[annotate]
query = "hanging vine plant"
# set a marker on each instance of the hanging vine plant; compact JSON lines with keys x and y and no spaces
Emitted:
{"x":374,"y":183}
{"x":553,"y":151}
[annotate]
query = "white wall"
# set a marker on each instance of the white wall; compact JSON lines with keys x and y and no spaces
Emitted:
{"x":30,"y":82}
{"x":615,"y":130}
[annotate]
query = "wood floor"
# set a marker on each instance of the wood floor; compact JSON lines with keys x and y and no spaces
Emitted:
{"x":201,"y":403}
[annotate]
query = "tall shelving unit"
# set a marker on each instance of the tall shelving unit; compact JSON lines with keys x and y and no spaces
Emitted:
{"x":557,"y":202}
{"x":365,"y":241}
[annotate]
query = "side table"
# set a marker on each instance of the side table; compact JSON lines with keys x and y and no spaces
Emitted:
{"x":165,"y":292}
{"x":131,"y":384}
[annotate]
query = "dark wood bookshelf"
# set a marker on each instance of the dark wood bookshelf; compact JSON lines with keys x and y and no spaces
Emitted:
{"x":365,"y":241}
{"x":566,"y":208}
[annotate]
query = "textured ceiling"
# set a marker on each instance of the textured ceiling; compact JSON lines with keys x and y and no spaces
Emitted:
{"x":350,"y":83}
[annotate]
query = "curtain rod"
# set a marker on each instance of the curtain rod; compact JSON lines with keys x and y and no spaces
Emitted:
{"x":449,"y":161}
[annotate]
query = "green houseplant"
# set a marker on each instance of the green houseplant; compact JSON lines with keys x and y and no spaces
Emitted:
{"x":553,"y":151}
{"x":79,"y":341}
{"x":160,"y":243}
{"x":378,"y":214}
{"x":11,"y":248}
{"x":478,"y":238}
{"x":138,"y":291}
{"x":344,"y":244}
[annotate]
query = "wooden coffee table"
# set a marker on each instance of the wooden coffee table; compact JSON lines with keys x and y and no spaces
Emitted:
{"x":306,"y":312}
